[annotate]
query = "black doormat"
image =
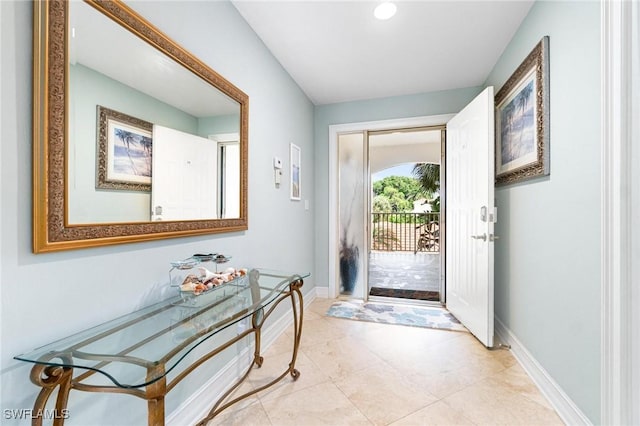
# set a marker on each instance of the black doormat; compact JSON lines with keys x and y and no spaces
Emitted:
{"x":433,"y":296}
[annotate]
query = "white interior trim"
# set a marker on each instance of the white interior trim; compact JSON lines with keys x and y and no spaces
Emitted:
{"x":634,"y":135}
{"x":619,"y":376}
{"x":197,"y":406}
{"x":322,"y":292}
{"x":1,"y":206}
{"x":225,"y":137}
{"x":564,"y":406}
{"x":334,"y":131}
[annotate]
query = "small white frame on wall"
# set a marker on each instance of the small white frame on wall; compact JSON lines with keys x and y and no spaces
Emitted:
{"x":296,"y":172}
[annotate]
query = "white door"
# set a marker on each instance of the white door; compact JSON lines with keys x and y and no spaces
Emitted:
{"x":470,"y":216}
{"x":183,"y":185}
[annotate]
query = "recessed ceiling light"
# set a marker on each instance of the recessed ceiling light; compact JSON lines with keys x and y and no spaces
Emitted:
{"x":385,"y":10}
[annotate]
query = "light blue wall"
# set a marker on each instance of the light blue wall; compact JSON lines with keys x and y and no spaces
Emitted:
{"x":90,"y":88}
{"x":425,"y":104}
{"x":48,"y":296}
{"x":548,"y":256}
{"x":218,"y":125}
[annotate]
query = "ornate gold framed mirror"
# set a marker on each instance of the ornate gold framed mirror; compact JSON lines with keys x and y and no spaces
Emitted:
{"x":135,"y":139}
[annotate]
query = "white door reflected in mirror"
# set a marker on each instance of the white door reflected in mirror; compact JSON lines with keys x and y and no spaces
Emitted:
{"x":184,"y":176}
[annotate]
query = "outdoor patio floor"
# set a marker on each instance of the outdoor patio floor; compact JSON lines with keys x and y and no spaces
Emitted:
{"x":404,"y":270}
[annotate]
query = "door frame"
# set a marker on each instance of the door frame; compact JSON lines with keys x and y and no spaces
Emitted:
{"x":620,"y":206}
{"x":223,"y":139}
{"x":334,"y":131}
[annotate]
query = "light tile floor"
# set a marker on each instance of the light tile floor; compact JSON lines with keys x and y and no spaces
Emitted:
{"x":359,"y":373}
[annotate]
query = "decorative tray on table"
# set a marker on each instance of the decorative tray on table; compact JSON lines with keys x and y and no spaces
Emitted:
{"x":201,"y":274}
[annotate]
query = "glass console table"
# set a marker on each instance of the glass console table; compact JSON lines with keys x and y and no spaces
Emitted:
{"x":135,"y":353}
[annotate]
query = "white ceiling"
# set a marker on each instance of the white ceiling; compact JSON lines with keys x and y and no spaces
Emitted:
{"x":337,"y":51}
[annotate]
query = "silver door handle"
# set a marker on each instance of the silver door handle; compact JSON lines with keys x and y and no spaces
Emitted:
{"x":482,"y":237}
{"x":493,"y":237}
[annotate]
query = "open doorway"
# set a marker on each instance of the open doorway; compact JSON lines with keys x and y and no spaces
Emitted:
{"x":405,"y":257}
{"x":390,"y":221}
{"x":349,"y":199}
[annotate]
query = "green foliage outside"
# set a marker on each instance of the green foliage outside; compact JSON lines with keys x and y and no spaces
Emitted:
{"x":428,"y":175}
{"x":406,"y":218}
{"x":408,"y":186}
{"x":381,"y":204}
{"x":397,"y":193}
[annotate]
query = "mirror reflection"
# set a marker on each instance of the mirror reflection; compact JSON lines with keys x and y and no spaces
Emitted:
{"x":148,"y":140}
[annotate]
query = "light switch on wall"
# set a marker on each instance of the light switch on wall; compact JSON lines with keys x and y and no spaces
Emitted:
{"x":306,"y":204}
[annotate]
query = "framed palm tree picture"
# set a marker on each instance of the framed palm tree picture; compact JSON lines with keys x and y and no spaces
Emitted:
{"x":522,"y":119}
{"x":123,"y":151}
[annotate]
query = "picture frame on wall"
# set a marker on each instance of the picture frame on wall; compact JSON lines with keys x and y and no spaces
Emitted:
{"x":522,"y":120}
{"x":124,"y":151}
{"x":296,"y":170}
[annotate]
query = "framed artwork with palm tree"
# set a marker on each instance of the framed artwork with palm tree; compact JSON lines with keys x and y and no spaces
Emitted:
{"x":522,"y":119}
{"x":123,"y":151}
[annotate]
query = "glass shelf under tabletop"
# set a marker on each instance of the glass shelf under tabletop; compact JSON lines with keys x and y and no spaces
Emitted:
{"x":137,"y":349}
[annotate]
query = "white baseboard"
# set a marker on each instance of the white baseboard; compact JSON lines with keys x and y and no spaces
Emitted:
{"x":195,"y":408}
{"x":321,"y":292}
{"x":564,"y":406}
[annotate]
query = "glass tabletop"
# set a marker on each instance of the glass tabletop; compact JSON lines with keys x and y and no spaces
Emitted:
{"x":139,"y":348}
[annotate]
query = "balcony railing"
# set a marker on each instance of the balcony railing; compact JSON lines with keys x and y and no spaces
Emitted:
{"x":405,"y":232}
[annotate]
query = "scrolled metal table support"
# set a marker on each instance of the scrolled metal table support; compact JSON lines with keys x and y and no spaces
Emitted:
{"x":257,"y":320}
{"x":50,"y":377}
{"x":297,"y":325}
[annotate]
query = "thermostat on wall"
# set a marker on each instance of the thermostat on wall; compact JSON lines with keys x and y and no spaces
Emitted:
{"x":277,"y":168}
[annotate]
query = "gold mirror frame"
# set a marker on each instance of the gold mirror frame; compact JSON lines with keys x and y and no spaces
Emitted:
{"x":51,"y":232}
